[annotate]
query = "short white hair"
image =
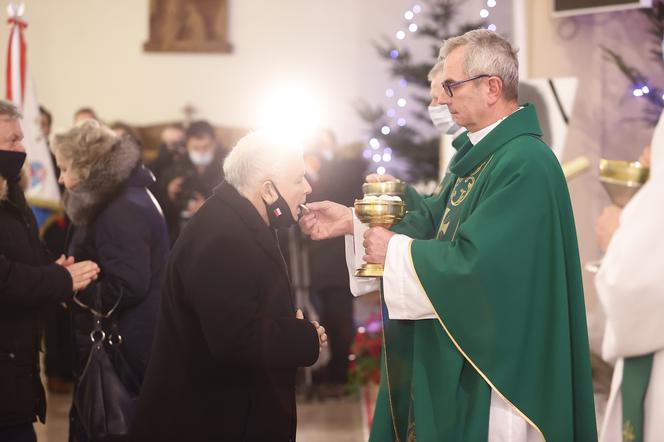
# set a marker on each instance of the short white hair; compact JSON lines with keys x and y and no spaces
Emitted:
{"x":487,"y":53}
{"x":259,"y":156}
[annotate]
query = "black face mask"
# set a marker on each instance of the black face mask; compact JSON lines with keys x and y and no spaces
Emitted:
{"x":11,"y":164}
{"x":278,"y":213}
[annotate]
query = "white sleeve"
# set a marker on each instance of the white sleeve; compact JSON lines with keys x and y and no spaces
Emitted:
{"x":404,"y":296}
{"x":354,"y":254}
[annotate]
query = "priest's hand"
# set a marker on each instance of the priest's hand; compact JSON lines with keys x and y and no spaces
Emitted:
{"x":644,"y":159}
{"x":375,"y":244}
{"x":325,"y":219}
{"x":376,"y":178}
{"x":607,"y":224}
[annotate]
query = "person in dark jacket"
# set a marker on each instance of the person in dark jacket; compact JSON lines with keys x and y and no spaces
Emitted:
{"x":31,"y":283}
{"x":171,"y":150}
{"x":229,"y":338}
{"x":118,"y":224}
{"x":189,"y":181}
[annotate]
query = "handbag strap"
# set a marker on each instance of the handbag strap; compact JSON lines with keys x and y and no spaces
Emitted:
{"x":98,"y":335}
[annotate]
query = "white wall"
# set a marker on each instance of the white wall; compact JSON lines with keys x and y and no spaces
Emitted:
{"x":89,"y":52}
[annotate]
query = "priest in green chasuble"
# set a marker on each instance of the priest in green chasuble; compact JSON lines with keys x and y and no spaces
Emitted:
{"x":485,"y":336}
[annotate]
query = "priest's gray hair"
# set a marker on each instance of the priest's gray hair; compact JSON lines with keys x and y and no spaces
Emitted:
{"x":9,"y":110}
{"x":487,"y":53}
{"x":258,"y":157}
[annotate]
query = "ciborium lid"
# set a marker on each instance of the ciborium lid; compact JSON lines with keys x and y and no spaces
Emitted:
{"x":394,"y":188}
{"x":622,"y":179}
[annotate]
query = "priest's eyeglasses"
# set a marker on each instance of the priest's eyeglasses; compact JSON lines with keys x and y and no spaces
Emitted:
{"x":449,"y":85}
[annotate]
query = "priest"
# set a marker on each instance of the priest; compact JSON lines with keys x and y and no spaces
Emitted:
{"x":485,"y":336}
{"x":629,"y":286}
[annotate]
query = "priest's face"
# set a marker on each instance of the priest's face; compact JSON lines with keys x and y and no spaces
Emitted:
{"x":468,"y":105}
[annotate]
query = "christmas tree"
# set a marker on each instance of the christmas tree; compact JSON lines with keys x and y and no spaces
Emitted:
{"x":412,"y":139}
{"x":642,"y":85}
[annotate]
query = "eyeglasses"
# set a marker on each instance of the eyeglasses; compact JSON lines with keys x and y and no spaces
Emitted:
{"x":448,"y":86}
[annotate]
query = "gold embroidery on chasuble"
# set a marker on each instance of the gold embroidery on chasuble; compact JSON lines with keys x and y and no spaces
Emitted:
{"x":628,"y":432}
{"x":460,"y":191}
{"x":410,"y":436}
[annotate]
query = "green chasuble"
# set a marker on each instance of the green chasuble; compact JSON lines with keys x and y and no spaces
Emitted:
{"x":496,"y":253}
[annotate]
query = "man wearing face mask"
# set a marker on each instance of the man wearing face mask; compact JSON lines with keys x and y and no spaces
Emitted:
{"x":440,"y":117}
{"x":31,"y":283}
{"x":189,"y":181}
{"x":230,"y":338}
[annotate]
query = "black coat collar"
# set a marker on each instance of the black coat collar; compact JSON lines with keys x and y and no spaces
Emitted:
{"x":263,"y":234}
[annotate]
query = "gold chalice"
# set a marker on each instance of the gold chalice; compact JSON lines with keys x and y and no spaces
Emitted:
{"x":621,"y":180}
{"x":379,"y":213}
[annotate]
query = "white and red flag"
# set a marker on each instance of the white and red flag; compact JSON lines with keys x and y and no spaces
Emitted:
{"x":43,"y":191}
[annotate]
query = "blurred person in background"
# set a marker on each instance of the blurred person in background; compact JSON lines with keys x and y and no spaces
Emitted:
{"x":32,"y":282}
{"x":171,"y":150}
{"x":189,"y":181}
{"x":338,"y":178}
{"x":85,"y":113}
{"x":118,"y":224}
{"x":122,"y":129}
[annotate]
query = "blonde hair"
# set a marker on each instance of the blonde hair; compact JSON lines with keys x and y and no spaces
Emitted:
{"x":84,"y":144}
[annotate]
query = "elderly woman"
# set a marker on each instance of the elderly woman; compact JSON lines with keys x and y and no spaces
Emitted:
{"x":229,"y":338}
{"x":117,"y":224}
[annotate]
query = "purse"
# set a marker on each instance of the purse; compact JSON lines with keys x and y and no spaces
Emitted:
{"x":107,"y":390}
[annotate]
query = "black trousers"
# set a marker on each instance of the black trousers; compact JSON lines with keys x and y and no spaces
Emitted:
{"x":59,"y":356}
{"x":336,"y":315}
{"x":18,"y":433}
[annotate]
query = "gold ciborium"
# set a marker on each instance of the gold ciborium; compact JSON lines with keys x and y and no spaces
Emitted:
{"x":622,"y":179}
{"x":379,"y":212}
{"x":392,"y":188}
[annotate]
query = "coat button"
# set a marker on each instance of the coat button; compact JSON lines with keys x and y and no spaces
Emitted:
{"x":12,"y":356}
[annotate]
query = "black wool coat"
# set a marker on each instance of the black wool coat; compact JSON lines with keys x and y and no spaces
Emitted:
{"x":228,"y":343}
{"x":30,"y":283}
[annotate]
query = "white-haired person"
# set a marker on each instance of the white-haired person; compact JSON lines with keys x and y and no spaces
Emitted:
{"x":229,"y":338}
{"x":118,"y":224}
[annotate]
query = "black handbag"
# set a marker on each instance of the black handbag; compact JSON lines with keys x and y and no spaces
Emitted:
{"x":107,"y":390}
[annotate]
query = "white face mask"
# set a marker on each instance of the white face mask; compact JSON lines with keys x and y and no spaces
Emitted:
{"x":201,"y":158}
{"x":442,"y":119}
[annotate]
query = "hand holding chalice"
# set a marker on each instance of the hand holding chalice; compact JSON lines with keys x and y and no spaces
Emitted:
{"x":381,"y":206}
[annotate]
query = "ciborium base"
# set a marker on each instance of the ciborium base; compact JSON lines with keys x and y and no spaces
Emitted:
{"x":367,"y":270}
